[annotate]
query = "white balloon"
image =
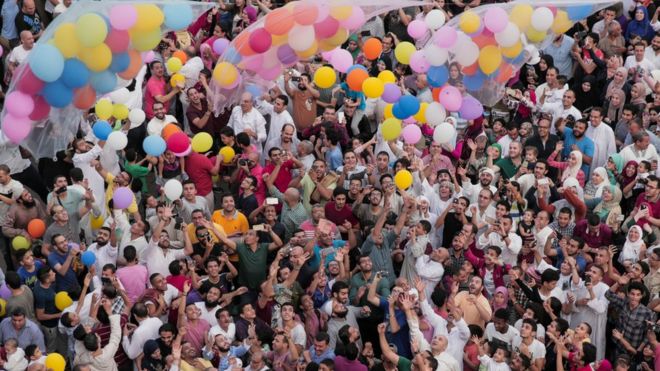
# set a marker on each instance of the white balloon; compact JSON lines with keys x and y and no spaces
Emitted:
{"x":444,"y":133}
{"x":136,"y":116}
{"x":542,"y":19}
{"x":435,"y":114}
{"x":435,"y":55}
{"x":435,"y":19}
{"x":173,"y":189}
{"x":301,"y":38}
{"x":461,"y":40}
{"x":120,"y":96}
{"x":117,"y":140}
{"x":468,"y":54}
{"x":509,"y":36}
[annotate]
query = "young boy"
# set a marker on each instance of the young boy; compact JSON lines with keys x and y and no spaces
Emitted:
{"x":29,"y":267}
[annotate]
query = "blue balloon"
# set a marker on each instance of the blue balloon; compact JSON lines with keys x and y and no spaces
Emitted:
{"x":578,"y":12}
{"x":409,"y":105}
{"x":103,"y":82}
{"x":46,"y":62}
{"x":520,"y":59}
{"x":178,"y":16}
{"x":57,"y":94}
{"x":75,"y":74}
{"x":474,"y":82}
{"x":351,"y":68}
{"x":154,"y":145}
{"x":88,"y":258}
{"x":437,"y":76}
{"x":120,"y":62}
{"x":231,"y":55}
{"x":398,"y":112}
{"x":255,"y":90}
{"x":102,"y":129}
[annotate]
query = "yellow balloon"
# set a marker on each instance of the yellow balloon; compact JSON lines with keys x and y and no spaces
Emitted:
{"x":490,"y":59}
{"x":535,"y":36}
{"x":149,"y":16}
{"x":391,"y":128}
{"x":96,"y":222}
{"x":91,"y":29}
{"x":227,"y":153}
{"x":342,"y":12}
{"x":20,"y":243}
{"x":309,"y":52}
{"x":103,"y":109}
{"x":62,"y":300}
{"x":144,"y":41}
{"x":201,"y":142}
{"x":403,"y":52}
{"x":387,"y":76}
{"x":176,"y":79}
{"x":3,"y":307}
{"x":387,"y":112}
{"x":279,"y":39}
{"x":55,"y":362}
{"x":225,"y":74}
{"x":325,"y":77}
{"x":174,"y":64}
{"x":97,"y":58}
{"x":521,"y":16}
{"x":420,"y":116}
{"x":469,"y":22}
{"x":65,"y":40}
{"x":120,"y":111}
{"x":338,"y":38}
{"x":561,"y":23}
{"x":403,"y":179}
{"x":513,"y":51}
{"x":373,"y":87}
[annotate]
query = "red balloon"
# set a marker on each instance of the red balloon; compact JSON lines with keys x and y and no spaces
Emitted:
{"x":326,"y":28}
{"x":36,"y":228}
{"x":118,"y":40}
{"x":260,"y":40}
{"x":41,"y":109}
{"x":178,"y":142}
{"x":84,"y":98}
{"x":28,"y":83}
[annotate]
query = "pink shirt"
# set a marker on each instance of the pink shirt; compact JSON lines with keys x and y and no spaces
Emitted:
{"x":155,"y":87}
{"x":134,"y":279}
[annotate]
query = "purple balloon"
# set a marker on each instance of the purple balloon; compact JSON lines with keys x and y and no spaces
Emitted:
{"x":286,"y":55}
{"x":122,"y":198}
{"x":418,"y":62}
{"x":471,"y":108}
{"x":4,"y":291}
{"x":392,"y":93}
{"x":219,"y":46}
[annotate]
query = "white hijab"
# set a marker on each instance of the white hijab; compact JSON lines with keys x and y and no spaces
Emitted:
{"x":631,"y":249}
{"x":572,"y":171}
{"x":606,"y":180}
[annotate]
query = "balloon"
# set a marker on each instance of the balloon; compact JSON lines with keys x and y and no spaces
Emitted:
{"x":57,"y":94}
{"x":103,"y":109}
{"x":355,"y":20}
{"x":136,"y":115}
{"x":561,"y":23}
{"x":391,"y":128}
{"x":398,"y":113}
{"x":102,"y":130}
{"x":420,"y":116}
{"x":225,"y":74}
{"x":88,"y":258}
{"x":355,"y":78}
{"x":16,"y":129}
{"x":475,"y":81}
{"x":123,"y":17}
{"x":409,"y":105}
{"x":341,"y":12}
{"x":490,"y":59}
{"x":28,"y":82}
{"x":19,"y":104}
{"x":521,"y":15}
{"x":97,"y":58}
{"x":451,"y":98}
{"x":178,"y":16}
{"x":119,"y":111}
{"x":149,"y":17}
{"x":469,"y":22}
{"x":305,"y":12}
{"x":435,"y":19}
{"x":387,"y":76}
{"x":404,"y":51}
{"x":301,"y":38}
{"x":279,"y":21}
{"x":20,"y":243}
{"x":181,"y":55}
{"x":435,"y":55}
{"x":3,"y":307}
{"x":170,"y":129}
{"x":91,"y":29}
{"x":411,"y":134}
{"x":178,"y":142}
{"x":202,"y":142}
{"x":173,"y":189}
{"x":145,"y":40}
{"x":84,"y":98}
{"x":435,"y":114}
{"x":65,"y":40}
{"x":120,"y":96}
{"x":387,"y":112}
{"x":117,"y":140}
{"x":469,"y":54}
{"x":437,"y":76}
{"x":55,"y":361}
{"x":342,"y":60}
{"x":134,"y":66}
{"x":177,"y":79}
{"x":184,"y":153}
{"x":324,"y":77}
{"x":417,"y":29}
{"x":373,"y":87}
{"x":372,"y":48}
{"x":578,"y":12}
{"x":286,"y":55}
{"x":445,"y":37}
{"x":444,"y":133}
{"x":62,"y":301}
{"x":122,"y":198}
{"x":36,"y":228}
{"x":509,"y":36}
{"x":96,"y":222}
{"x":542,"y":19}
{"x":75,"y":74}
{"x":403,"y":179}
{"x":219,"y":46}
{"x":496,"y":19}
{"x":103,"y":82}
{"x":260,"y":40}
{"x":326,"y":28}
{"x":418,"y":62}
{"x":41,"y":109}
{"x":174,"y":65}
{"x":227,"y":154}
{"x":154,"y":145}
{"x":5,"y":292}
{"x":471,"y":108}
{"x":46,"y":62}
{"x":534,"y":35}
{"x":338,"y":38}
{"x":391,"y":92}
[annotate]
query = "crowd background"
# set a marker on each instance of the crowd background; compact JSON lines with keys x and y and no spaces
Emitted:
{"x":528,"y":243}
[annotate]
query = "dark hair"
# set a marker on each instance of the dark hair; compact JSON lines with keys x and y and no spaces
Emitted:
{"x":549,"y":275}
{"x":43,"y":273}
{"x":566,"y":210}
{"x":530,"y":322}
{"x":174,"y":268}
{"x":497,"y":249}
{"x":30,"y":350}
{"x":79,"y":332}
{"x":283,"y":98}
{"x":139,"y":310}
{"x":588,"y":353}
{"x":168,"y":327}
{"x":243,"y":139}
{"x":426,"y":225}
{"x":332,"y":136}
{"x":562,"y":325}
{"x":338,"y":286}
{"x":351,"y":351}
{"x":76,"y":174}
{"x":13,"y":280}
{"x":91,"y":342}
{"x":439,"y":297}
{"x":343,"y":334}
{"x":130,"y":254}
{"x":322,"y":336}
{"x":227,"y":131}
{"x":502,"y":313}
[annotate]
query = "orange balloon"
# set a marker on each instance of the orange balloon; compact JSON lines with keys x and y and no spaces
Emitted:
{"x":484,"y":40}
{"x":471,"y":70}
{"x":133,"y":67}
{"x":279,"y":21}
{"x":355,"y":79}
{"x":372,"y":48}
{"x":181,"y":55}
{"x":36,"y":228}
{"x":84,"y":98}
{"x":506,"y":73}
{"x":305,"y":13}
{"x":436,"y":94}
{"x":242,"y":44}
{"x":169,"y":129}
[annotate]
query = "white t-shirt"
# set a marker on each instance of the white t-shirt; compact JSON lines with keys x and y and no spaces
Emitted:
{"x":537,"y":349}
{"x":18,"y":55}
{"x":511,"y":333}
{"x":156,"y":125}
{"x":206,"y":314}
{"x":540,"y":330}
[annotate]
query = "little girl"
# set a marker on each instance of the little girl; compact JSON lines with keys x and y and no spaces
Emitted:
{"x":496,"y":363}
{"x":15,"y":356}
{"x":33,"y":353}
{"x":526,"y":225}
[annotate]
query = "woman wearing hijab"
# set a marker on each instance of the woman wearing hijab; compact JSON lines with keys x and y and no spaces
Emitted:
{"x":541,"y":68}
{"x":586,"y":94}
{"x":634,"y":248}
{"x":152,"y":360}
{"x":500,"y":299}
{"x":609,"y":209}
{"x":640,"y":25}
{"x":638,"y":96}
{"x":572,"y":197}
{"x":615,"y":105}
{"x":614,"y":167}
{"x":571,"y":168}
{"x":206,"y":53}
{"x":618,"y":81}
{"x":628,"y":180}
{"x":594,"y":189}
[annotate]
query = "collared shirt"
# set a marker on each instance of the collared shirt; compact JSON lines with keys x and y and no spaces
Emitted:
{"x":237,"y":222}
{"x":291,"y":217}
{"x":253,"y":120}
{"x":631,"y":322}
{"x":148,"y":329}
{"x":29,"y":334}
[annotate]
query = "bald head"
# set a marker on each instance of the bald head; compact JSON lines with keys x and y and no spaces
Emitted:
{"x":292,"y":195}
{"x":28,"y":7}
{"x":246,"y":102}
{"x":27,"y":39}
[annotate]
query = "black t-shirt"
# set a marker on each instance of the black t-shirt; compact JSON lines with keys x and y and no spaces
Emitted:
{"x":224,"y":284}
{"x":28,"y":22}
{"x":453,"y":226}
{"x":199,"y":249}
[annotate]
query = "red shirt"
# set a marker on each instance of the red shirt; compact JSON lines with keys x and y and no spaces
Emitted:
{"x":283,"y":176}
{"x":339,"y":216}
{"x":654,"y":208}
{"x":198,"y":168}
{"x":155,"y":87}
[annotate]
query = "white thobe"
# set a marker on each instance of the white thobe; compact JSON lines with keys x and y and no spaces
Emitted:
{"x":509,"y":252}
{"x":96,"y":182}
{"x":252,"y":120}
{"x":430,"y":272}
{"x":604,"y":143}
{"x":594,"y":313}
{"x":632,"y":153}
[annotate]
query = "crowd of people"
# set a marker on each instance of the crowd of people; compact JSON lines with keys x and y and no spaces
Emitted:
{"x":530,"y":242}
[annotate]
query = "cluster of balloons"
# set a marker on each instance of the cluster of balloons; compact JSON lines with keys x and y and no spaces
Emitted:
{"x":87,"y":57}
{"x":174,"y":65}
{"x":105,"y":110}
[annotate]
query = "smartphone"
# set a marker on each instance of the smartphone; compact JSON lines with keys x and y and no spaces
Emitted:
{"x":295,"y":79}
{"x":365,"y":33}
{"x":341,"y":116}
{"x":177,"y":222}
{"x":272,"y":201}
{"x":259,"y":227}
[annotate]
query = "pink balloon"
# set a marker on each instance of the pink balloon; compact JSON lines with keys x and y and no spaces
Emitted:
{"x":445,"y":37}
{"x":118,"y":40}
{"x":41,"y":109}
{"x":355,"y":21}
{"x":418,"y":62}
{"x":496,"y":19}
{"x":184,"y":153}
{"x":260,"y":40}
{"x":123,"y":17}
{"x":323,"y":11}
{"x":28,"y":83}
{"x":417,"y":29}
{"x":451,"y":98}
{"x":16,"y":129}
{"x":19,"y":104}
{"x":326,"y":28}
{"x":328,"y":55}
{"x":148,"y":56}
{"x":341,"y":60}
{"x":219,"y":46}
{"x":271,"y":73}
{"x":411,"y":134}
{"x":178,"y":142}
{"x":254,"y":62}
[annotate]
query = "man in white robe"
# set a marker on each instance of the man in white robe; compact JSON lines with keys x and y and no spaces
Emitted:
{"x":603,"y":137}
{"x":590,"y":306}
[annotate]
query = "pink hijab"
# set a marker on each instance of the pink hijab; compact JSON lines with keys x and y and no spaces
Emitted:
{"x":208,"y":61}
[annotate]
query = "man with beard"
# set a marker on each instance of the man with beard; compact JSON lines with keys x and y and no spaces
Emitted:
{"x":575,"y":140}
{"x":652,"y":52}
{"x":476,"y":308}
{"x":63,"y":195}
{"x":157,"y":92}
{"x":536,"y":186}
{"x":225,"y":325}
{"x":158,"y":254}
{"x":159,"y":120}
{"x":64,"y":224}
{"x":500,"y":234}
{"x":85,"y":158}
{"x":209,"y":307}
{"x":304,"y":99}
{"x":544,"y":141}
{"x":603,"y":137}
{"x":20,"y":214}
{"x":471,"y":191}
{"x":279,"y":118}
{"x":344,"y":315}
{"x":246,"y":119}
{"x":61,"y":259}
{"x":318,"y":185}
{"x":104,"y":248}
{"x":200,"y":114}
{"x":508,"y":167}
{"x":167,"y":332}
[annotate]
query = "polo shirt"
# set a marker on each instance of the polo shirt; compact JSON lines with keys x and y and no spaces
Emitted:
{"x":232,"y":224}
{"x":252,"y":265}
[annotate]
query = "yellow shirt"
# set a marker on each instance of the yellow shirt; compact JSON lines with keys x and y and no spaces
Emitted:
{"x":185,"y":366}
{"x":470,"y":311}
{"x":236,"y":223}
{"x":109,"y":178}
{"x":193,"y":236}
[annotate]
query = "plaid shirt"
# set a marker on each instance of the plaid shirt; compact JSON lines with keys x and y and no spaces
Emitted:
{"x":632,"y":322}
{"x":118,"y":305}
{"x":292,"y":218}
{"x":565,"y":231}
